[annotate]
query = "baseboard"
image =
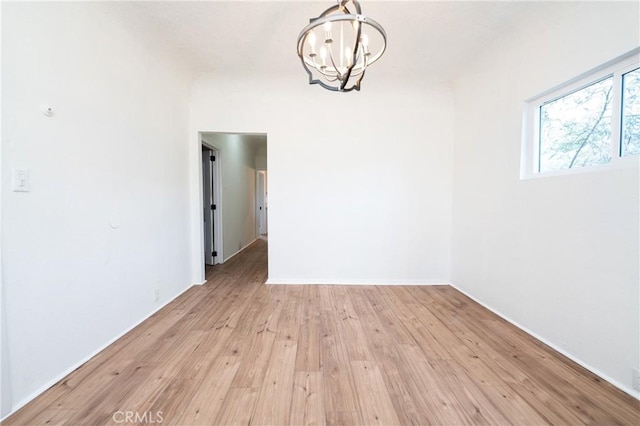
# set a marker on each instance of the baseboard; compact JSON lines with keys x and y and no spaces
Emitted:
{"x":324,"y":281}
{"x":68,"y":371}
{"x":239,"y":251}
{"x":536,"y":336}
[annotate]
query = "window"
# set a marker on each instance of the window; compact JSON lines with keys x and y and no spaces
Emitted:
{"x":631,"y":113}
{"x":575,"y":130}
{"x":591,"y":121}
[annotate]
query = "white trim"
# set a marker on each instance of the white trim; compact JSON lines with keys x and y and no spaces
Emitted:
{"x":239,"y":251}
{"x":199,"y":254}
{"x":615,"y":151}
{"x":535,"y":335}
{"x":86,"y":359}
{"x":218,"y":239}
{"x":529,"y":164}
{"x":325,"y":281}
{"x":587,"y":78}
{"x":620,"y":163}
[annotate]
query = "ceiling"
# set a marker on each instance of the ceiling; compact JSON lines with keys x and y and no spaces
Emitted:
{"x":431,"y":40}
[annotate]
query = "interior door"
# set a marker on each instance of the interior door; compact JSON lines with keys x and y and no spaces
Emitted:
{"x":208,"y":205}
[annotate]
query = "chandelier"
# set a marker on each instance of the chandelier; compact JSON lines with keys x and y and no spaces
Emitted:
{"x":337,"y":47}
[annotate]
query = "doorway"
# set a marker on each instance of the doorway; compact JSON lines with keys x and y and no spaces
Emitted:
{"x":227,"y":211}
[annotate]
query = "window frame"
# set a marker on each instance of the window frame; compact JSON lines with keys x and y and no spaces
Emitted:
{"x":631,"y":68}
{"x":616,"y":68}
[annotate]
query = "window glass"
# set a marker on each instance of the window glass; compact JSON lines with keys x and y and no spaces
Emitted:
{"x":630,"y":143}
{"x":575,"y":130}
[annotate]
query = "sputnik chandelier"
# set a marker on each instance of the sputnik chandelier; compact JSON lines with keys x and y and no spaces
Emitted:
{"x":337,"y":47}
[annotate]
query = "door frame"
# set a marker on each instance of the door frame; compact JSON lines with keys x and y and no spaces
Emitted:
{"x":260,"y":196}
{"x":216,"y":174}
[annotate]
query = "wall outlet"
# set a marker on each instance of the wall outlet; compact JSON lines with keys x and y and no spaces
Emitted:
{"x":156,"y":294}
{"x":635,"y":379}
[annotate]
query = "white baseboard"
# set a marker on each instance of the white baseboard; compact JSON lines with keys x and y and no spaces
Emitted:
{"x":68,"y":371}
{"x":594,"y":370}
{"x":324,"y":281}
{"x":240,"y":251}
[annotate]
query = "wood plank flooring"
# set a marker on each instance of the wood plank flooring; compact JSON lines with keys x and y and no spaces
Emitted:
{"x":236,"y":351}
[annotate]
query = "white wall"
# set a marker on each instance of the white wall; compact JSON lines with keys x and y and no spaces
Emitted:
{"x":261,"y":158}
{"x":5,"y":383}
{"x":238,"y":198}
{"x":558,"y":255}
{"x":359,"y":183}
{"x":107,"y":218}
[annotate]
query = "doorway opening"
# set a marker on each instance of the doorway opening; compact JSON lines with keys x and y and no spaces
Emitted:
{"x":234,"y":194}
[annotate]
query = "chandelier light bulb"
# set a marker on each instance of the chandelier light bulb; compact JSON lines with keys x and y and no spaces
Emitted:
{"x":327,"y":33}
{"x":364,"y":39}
{"x":323,"y":57}
{"x":312,"y":43}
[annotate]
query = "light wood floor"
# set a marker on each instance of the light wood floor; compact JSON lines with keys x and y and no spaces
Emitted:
{"x":235,"y":351}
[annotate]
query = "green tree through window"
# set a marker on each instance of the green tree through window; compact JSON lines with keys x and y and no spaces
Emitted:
{"x":575,"y":130}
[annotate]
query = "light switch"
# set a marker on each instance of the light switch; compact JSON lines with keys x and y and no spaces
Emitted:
{"x":20,"y":180}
